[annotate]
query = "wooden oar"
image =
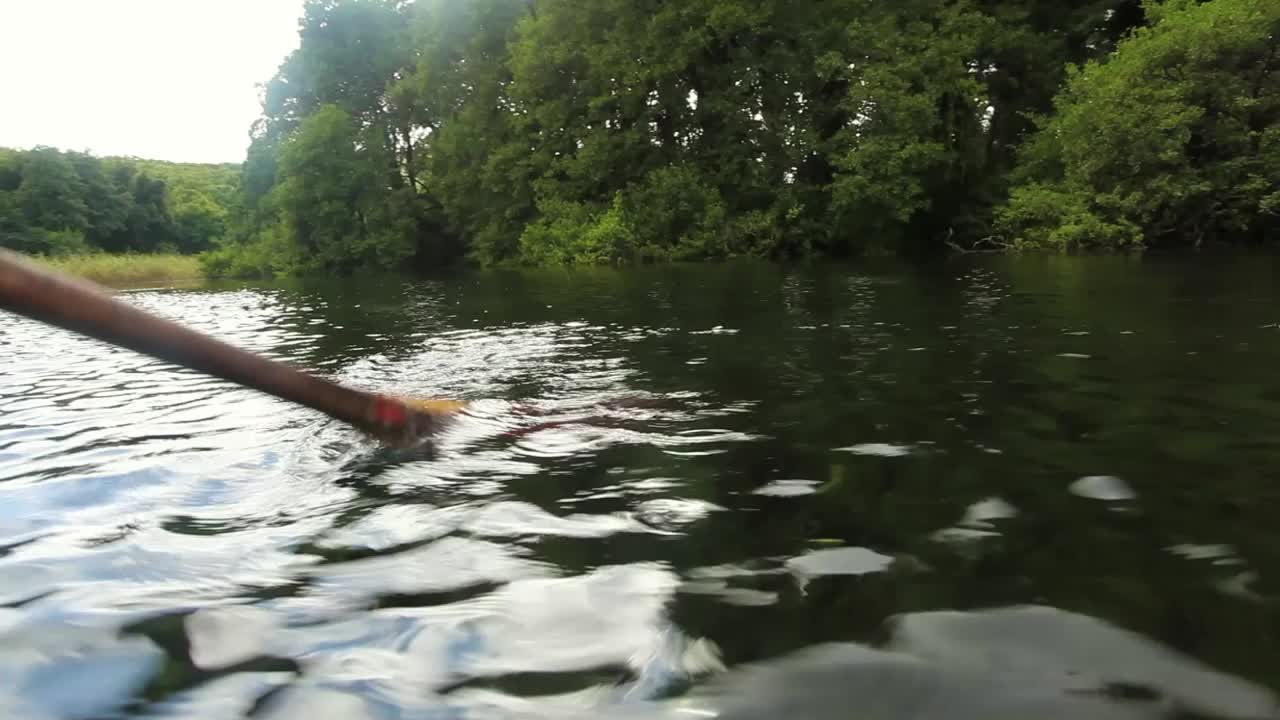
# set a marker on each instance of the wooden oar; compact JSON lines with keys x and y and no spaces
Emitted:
{"x":85,"y":308}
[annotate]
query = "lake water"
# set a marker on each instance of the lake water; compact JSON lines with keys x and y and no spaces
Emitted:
{"x":998,"y":488}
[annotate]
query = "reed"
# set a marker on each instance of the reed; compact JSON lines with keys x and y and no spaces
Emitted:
{"x":130,"y":271}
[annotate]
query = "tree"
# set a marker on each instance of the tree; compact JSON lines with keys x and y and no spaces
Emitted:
{"x":405,"y":131}
{"x":1174,"y":141}
{"x":915,"y":140}
{"x":107,"y":204}
{"x":469,"y":165}
{"x":334,"y":200}
{"x":51,"y":194}
{"x":59,"y":202}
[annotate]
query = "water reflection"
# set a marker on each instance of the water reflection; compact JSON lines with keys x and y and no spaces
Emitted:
{"x":1009,"y":663}
{"x":745,"y":491}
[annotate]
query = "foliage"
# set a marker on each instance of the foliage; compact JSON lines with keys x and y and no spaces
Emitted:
{"x":671,"y":214}
{"x":677,"y":215}
{"x":331,"y":200}
{"x":914,"y":142}
{"x":416,"y":133}
{"x":574,"y":233}
{"x":330,"y":183}
{"x":561,"y":132}
{"x":56,"y":203}
{"x":202,"y":200}
{"x":1174,"y":141}
{"x":266,"y":255}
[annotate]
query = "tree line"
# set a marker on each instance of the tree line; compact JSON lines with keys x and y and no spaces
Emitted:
{"x":420,"y":132}
{"x":55,"y":203}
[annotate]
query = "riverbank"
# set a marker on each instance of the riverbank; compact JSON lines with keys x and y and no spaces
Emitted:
{"x":131,"y":271}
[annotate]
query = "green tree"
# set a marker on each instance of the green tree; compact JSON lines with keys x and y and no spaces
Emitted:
{"x":334,"y":200}
{"x":552,"y":131}
{"x":51,"y":193}
{"x":472,"y":175}
{"x":1174,"y":141}
{"x":343,"y":91}
{"x":107,"y":204}
{"x":915,"y":140}
{"x":198,"y":220}
{"x":57,"y":202}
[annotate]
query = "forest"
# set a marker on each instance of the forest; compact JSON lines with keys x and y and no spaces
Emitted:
{"x":415,"y":134}
{"x":58,"y":203}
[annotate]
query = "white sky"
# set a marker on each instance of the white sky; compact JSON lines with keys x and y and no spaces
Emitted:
{"x":163,"y":79}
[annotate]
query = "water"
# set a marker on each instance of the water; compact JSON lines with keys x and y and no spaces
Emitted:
{"x":999,"y":488}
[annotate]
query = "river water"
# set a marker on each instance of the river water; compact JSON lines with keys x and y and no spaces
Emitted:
{"x":998,"y":488}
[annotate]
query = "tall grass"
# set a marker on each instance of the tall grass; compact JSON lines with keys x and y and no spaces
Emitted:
{"x":128,"y":271}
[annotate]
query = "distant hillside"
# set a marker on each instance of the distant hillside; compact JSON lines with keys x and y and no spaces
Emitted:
{"x":57,"y":202}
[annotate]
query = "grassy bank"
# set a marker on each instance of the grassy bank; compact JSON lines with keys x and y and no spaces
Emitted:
{"x":130,"y":270}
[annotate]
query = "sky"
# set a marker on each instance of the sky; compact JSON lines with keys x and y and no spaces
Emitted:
{"x":163,"y":79}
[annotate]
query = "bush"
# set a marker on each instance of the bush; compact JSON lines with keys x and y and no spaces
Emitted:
{"x":39,"y":241}
{"x":1172,"y":141}
{"x":575,"y":233}
{"x":676,"y":215}
{"x":266,"y":255}
{"x":1040,"y":215}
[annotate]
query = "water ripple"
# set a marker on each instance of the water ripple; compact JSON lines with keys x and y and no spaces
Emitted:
{"x":642,"y":495}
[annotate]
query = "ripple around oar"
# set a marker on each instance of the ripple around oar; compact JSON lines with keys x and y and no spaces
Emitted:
{"x":837,"y":561}
{"x":230,"y":697}
{"x":978,"y":522}
{"x":610,"y":619}
{"x":394,"y":525}
{"x":450,"y":563}
{"x":589,"y":436}
{"x":1103,"y":487}
{"x":1217,"y":553}
{"x":731,"y":595}
{"x":788,"y":488}
{"x":53,"y":669}
{"x":1000,"y":664}
{"x":432,"y":585}
{"x":674,"y":513}
{"x":511,"y":519}
{"x":878,"y":449}
{"x":152,"y":570}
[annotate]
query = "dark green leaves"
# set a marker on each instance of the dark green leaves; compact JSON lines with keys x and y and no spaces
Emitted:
{"x":611,"y":131}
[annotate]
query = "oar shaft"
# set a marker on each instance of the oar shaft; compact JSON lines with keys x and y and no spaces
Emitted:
{"x":82,"y":307}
